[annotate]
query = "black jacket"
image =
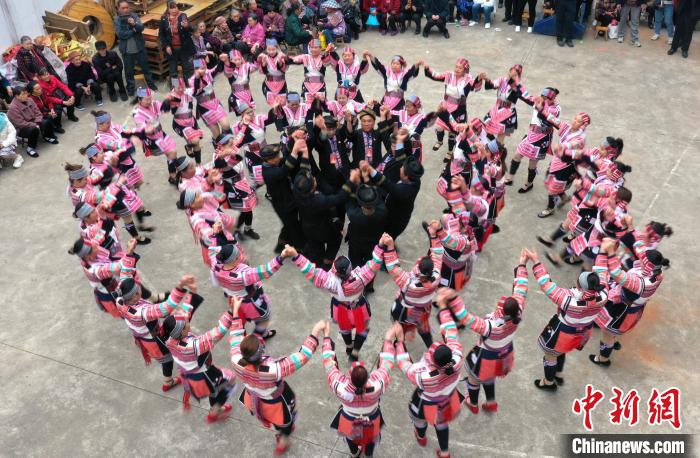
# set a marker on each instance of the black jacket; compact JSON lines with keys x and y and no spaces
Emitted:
{"x":380,"y":136}
{"x":125,"y":31}
{"x":437,"y":7}
{"x":106,"y":64}
{"x":334,"y":175}
{"x":364,"y":231}
{"x":399,"y":202}
{"x":79,"y":74}
{"x":165,"y":34}
{"x":279,"y":185}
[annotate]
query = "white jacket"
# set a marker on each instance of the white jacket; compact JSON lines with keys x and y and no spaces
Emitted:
{"x":8,"y":136}
{"x":485,"y":2}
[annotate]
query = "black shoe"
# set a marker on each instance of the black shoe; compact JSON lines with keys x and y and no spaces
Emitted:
{"x":446,"y":34}
{"x":506,"y":19}
{"x":59,"y":130}
{"x":269,"y":334}
{"x":545,"y":241}
{"x":617,"y":346}
{"x":417,"y":32}
{"x":113,"y":96}
{"x":542,"y":386}
{"x":672,"y":51}
{"x":278,"y":248}
{"x":560,"y":42}
{"x":73,"y":118}
{"x":425,"y":34}
{"x":131,"y":93}
{"x":569,"y":43}
{"x":99,"y":102}
{"x":52,"y":140}
{"x":32,"y":153}
{"x":143,"y":241}
{"x":496,"y":229}
{"x":252,"y":234}
{"x":369,"y":289}
{"x":559,"y":380}
{"x":123,"y":96}
{"x":152,"y":86}
{"x":684,"y":54}
{"x":599,"y":363}
{"x":527,"y":186}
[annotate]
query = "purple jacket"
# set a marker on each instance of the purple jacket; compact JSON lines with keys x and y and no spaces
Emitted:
{"x":24,"y":114}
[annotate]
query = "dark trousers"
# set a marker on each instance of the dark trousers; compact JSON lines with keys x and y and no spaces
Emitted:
{"x":318,"y":250}
{"x":413,"y":16}
{"x":509,"y":6}
{"x":111,"y":78}
{"x":430,"y":23}
{"x":79,"y":92}
{"x":31,"y":134}
{"x":46,"y":128}
{"x":393,"y":22}
{"x":683,"y":35}
{"x":518,"y":12}
{"x":130,"y":61}
{"x":566,"y":15}
{"x":56,"y":122}
{"x":587,"y":9}
{"x":184,"y":60}
{"x":291,"y":231}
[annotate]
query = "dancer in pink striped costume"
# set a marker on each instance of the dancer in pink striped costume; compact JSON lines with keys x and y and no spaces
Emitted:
{"x":197,"y":177}
{"x":181,"y":104}
{"x":237,"y":70}
{"x":273,"y":64}
{"x":650,"y":237}
{"x":396,"y":78}
{"x":629,"y":293}
{"x":350,"y":309}
{"x":314,"y":63}
{"x":493,"y":356}
{"x":209,"y":108}
{"x":460,"y":251}
{"x":458,"y":85}
{"x":266,"y":394}
{"x":436,"y":400}
{"x":415,"y":122}
{"x":97,"y":229}
{"x":155,"y":141}
{"x":343,"y":104}
{"x":562,"y":168}
{"x":349,"y":68}
{"x":359,"y":419}
{"x":571,"y":327}
{"x":142,"y":318}
{"x":537,"y":143}
{"x":114,"y":140}
{"x":417,"y":288}
{"x":192,"y":353}
{"x":230,"y":272}
{"x":502,"y":118}
{"x":249,"y":137}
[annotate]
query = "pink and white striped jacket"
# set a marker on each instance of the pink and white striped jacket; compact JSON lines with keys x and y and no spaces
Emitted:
{"x":191,"y":352}
{"x":633,"y":287}
{"x":265,"y":380}
{"x":243,"y":280}
{"x":340,"y":384}
{"x":138,"y":315}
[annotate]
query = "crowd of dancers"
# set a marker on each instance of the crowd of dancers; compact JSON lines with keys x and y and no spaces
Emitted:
{"x":349,"y":157}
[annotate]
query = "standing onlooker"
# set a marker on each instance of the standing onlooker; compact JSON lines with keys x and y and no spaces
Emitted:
{"x":109,"y":70}
{"x":28,"y":120}
{"x":50,"y":107}
{"x":631,"y":9}
{"x":531,"y":11}
{"x":508,"y":13}
{"x":566,"y":15}
{"x":82,"y":80}
{"x":132,"y":46}
{"x":8,"y":142}
{"x":435,"y":16}
{"x":688,"y":15}
{"x":663,"y":13}
{"x":54,"y":87}
{"x":487,"y":7}
{"x":176,"y":40}
{"x":30,"y":60}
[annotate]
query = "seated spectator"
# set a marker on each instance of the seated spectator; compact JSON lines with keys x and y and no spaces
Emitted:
{"x":353,"y":20}
{"x":273,"y":23}
{"x":8,"y":142}
{"x":485,"y":6}
{"x":254,"y":35}
{"x":5,"y":89}
{"x":203,"y":48}
{"x":370,"y":7}
{"x":82,"y":80}
{"x":210,"y":41}
{"x":50,"y":107}
{"x":294,"y":32}
{"x":236,"y":23}
{"x":252,"y":8}
{"x":391,"y":10}
{"x":55,"y":88}
{"x":109,"y":68}
{"x":29,"y":60}
{"x":222,"y":33}
{"x":435,"y":16}
{"x":334,"y":23}
{"x":28,"y":120}
{"x":606,"y":11}
{"x":464,"y":11}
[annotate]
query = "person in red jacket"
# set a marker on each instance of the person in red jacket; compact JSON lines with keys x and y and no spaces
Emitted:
{"x":374,"y":7}
{"x":50,"y":107}
{"x":54,"y":87}
{"x":391,"y":9}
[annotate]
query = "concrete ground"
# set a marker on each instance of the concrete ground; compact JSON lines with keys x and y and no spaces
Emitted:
{"x":73,"y":383}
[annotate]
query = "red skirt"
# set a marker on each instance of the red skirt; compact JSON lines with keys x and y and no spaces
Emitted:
{"x":620,"y":318}
{"x":558,"y":338}
{"x":351,"y":318}
{"x":436,"y":413}
{"x":360,"y":430}
{"x":279,"y":411}
{"x":106,"y":303}
{"x":488,"y":364}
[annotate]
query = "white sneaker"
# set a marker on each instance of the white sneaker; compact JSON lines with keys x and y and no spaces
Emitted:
{"x":655,"y":37}
{"x":638,"y":44}
{"x":472,"y":23}
{"x":670,"y":41}
{"x":529,"y":30}
{"x":19,"y":160}
{"x":620,"y":39}
{"x":517,"y":28}
{"x":488,"y":25}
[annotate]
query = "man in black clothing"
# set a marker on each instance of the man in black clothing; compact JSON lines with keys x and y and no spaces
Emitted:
{"x":318,"y":213}
{"x":687,"y":17}
{"x":413,"y":12}
{"x":436,"y":16}
{"x":132,"y":46}
{"x":175,"y":36}
{"x":366,"y":140}
{"x":401,"y":195}
{"x":277,"y":173}
{"x":368,"y":216}
{"x":81,"y":80}
{"x":393,"y":160}
{"x":333,"y":159}
{"x":109,"y":70}
{"x":566,"y":15}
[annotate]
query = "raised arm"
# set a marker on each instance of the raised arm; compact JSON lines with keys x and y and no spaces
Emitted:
{"x":252,"y":275}
{"x":205,"y":342}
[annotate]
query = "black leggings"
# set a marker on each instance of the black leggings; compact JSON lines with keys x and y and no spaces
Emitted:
{"x":167,"y":369}
{"x":518,"y":12}
{"x":355,"y":450}
{"x":245,"y":218}
{"x":285,"y":430}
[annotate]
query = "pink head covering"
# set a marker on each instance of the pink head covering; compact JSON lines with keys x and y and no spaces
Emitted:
{"x":586,"y":119}
{"x":464,"y":63}
{"x":415,"y":100}
{"x":518,"y":69}
{"x":349,"y":49}
{"x":236,"y":53}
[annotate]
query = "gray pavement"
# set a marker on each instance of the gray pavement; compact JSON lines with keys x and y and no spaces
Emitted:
{"x":74,"y":384}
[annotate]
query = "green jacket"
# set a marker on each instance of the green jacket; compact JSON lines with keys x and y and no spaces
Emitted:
{"x":294,"y":33}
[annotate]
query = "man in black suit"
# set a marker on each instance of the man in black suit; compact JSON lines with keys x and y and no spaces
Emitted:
{"x":436,"y":15}
{"x":366,"y":140}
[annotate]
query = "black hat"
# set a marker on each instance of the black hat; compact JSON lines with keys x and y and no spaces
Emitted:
{"x":100,"y":45}
{"x":303,"y":183}
{"x":426,"y":266}
{"x":442,"y":355}
{"x":270,"y":151}
{"x":220,"y":163}
{"x":367,"y":196}
{"x":367,"y":112}
{"x":413,"y":168}
{"x":330,"y":121}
